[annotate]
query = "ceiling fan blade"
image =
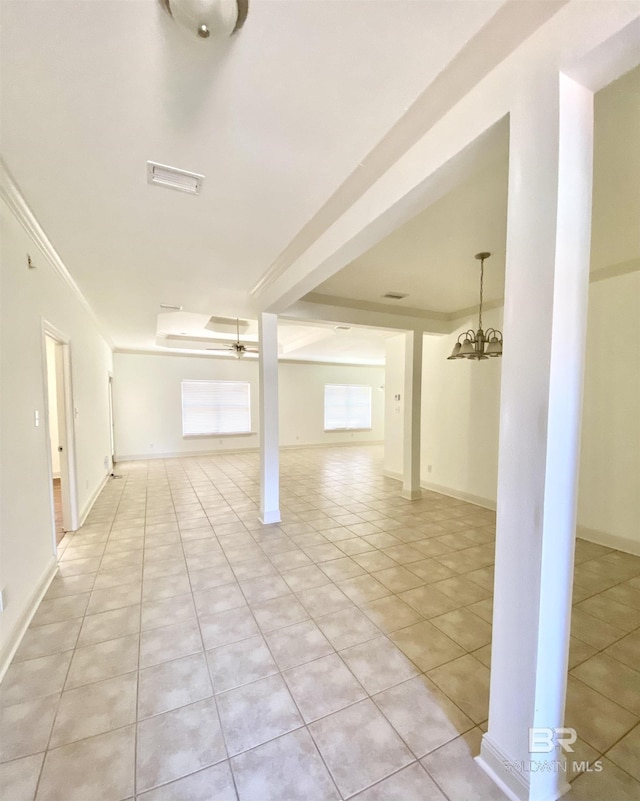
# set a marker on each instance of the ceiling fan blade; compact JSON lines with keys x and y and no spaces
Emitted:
{"x":221,"y":350}
{"x":251,"y":350}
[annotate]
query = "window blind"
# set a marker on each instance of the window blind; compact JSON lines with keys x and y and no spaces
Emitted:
{"x":216,"y":407}
{"x":346,"y":406}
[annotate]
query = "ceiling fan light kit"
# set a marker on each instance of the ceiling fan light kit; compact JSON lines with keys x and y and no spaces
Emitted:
{"x":236,"y":348}
{"x":208,"y":18}
{"x":479,"y":344}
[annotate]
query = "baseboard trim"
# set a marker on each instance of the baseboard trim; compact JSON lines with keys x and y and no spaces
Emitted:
{"x":8,"y":649}
{"x":392,"y":474}
{"x":142,"y":457}
{"x":625,"y":544}
{"x":503,"y":770}
{"x":460,"y":495}
{"x":92,"y":500}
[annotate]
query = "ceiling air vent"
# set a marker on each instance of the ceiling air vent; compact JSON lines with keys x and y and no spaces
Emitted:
{"x":173,"y":178}
{"x":395,"y":295}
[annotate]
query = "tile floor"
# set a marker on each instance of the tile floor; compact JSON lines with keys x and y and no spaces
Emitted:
{"x":186,"y":653}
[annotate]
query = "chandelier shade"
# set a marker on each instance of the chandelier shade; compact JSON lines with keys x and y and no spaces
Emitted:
{"x":478,"y":344}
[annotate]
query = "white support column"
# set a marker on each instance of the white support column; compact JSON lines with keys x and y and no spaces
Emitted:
{"x":548,"y":238}
{"x":412,"y":415}
{"x":269,"y":434}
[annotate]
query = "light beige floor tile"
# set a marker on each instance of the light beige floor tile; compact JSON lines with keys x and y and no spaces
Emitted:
{"x":218,"y":599}
{"x":626,"y":753}
{"x":289,"y":560}
{"x":363,"y":588}
{"x":425,"y":645}
{"x":597,"y":720}
{"x":593,"y":631}
{"x":390,"y":613}
{"x":227,"y":627}
{"x":612,"y":679}
{"x":177,"y":743}
{"x":155,"y":589}
{"x":109,"y":625}
{"x":59,"y":609}
{"x":409,"y":784}
{"x":359,"y":746}
{"x":429,"y":601}
{"x":94,"y":709}
{"x":323,"y":600}
{"x":429,"y":570}
{"x":264,"y":588}
{"x":66,"y":777}
{"x":279,"y":612}
{"x":610,"y":783}
{"x":580,"y":651}
{"x":341,"y":569}
{"x":25,"y":727}
{"x":47,"y":640}
{"x":347,"y":627}
{"x":103,"y":661}
{"x":62,"y":586}
{"x":211,"y":784}
{"x":304,"y":578}
{"x":173,"y":684}
{"x":626,"y":650}
{"x":158,"y":570}
{"x":169,"y":642}
{"x":240,"y":663}
{"x":19,"y":778}
{"x":466,"y":682}
{"x":114,"y":578}
{"x":288,"y":767}
{"x":114,"y":598}
{"x":323,"y":686}
{"x":354,"y":545}
{"x":423,"y":715}
{"x":297,"y":644}
{"x":484,"y":655}
{"x":461,"y":589}
{"x":170,"y":610}
{"x":611,"y":612}
{"x":378,"y":664}
{"x":465,"y":628}
{"x":34,"y":678}
{"x":398,"y":579}
{"x":624,"y":594}
{"x":458,"y":775}
{"x":374,"y":561}
{"x":257,"y":712}
{"x":204,"y":579}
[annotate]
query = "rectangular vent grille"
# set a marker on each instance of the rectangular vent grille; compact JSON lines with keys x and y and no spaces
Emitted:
{"x":173,"y":178}
{"x":395,"y":295}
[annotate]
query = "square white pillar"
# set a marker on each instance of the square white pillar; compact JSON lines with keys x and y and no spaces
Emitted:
{"x":548,"y":240}
{"x":269,"y":430}
{"x":412,"y":415}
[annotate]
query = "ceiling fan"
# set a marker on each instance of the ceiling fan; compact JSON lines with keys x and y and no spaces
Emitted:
{"x":237,"y":348}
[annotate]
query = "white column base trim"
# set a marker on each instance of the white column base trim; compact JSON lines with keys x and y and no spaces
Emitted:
{"x":411,"y":494}
{"x":513,"y":783}
{"x":9,"y":648}
{"x":268,"y":518}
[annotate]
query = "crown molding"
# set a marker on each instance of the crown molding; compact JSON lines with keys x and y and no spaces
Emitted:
{"x":15,"y":202}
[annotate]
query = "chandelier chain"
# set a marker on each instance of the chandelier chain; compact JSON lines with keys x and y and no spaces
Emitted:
{"x":481,"y":291}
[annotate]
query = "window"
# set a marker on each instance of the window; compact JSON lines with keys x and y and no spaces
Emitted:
{"x":215,"y":407}
{"x":346,"y":406}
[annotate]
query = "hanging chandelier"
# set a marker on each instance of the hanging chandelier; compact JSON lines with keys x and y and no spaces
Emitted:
{"x":478,"y":344}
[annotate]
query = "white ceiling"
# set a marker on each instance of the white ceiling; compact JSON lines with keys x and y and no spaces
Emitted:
{"x":276,"y":118}
{"x":431,"y":257}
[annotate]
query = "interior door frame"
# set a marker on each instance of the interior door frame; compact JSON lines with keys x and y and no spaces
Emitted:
{"x":64,"y":388}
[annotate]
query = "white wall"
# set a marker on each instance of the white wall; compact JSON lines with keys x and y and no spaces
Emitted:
{"x":148,"y":411}
{"x":393,"y":409}
{"x":609,"y":492}
{"x":460,"y":417}
{"x":53,"y":406}
{"x":26,"y":530}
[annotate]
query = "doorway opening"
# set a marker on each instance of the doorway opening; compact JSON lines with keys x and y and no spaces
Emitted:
{"x":59,"y":421}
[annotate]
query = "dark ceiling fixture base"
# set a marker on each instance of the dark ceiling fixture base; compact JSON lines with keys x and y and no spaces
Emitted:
{"x":208,"y":17}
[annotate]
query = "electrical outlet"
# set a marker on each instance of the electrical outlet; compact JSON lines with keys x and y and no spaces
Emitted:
{"x":3,"y":599}
{"x":429,"y":467}
{"x":106,"y":462}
